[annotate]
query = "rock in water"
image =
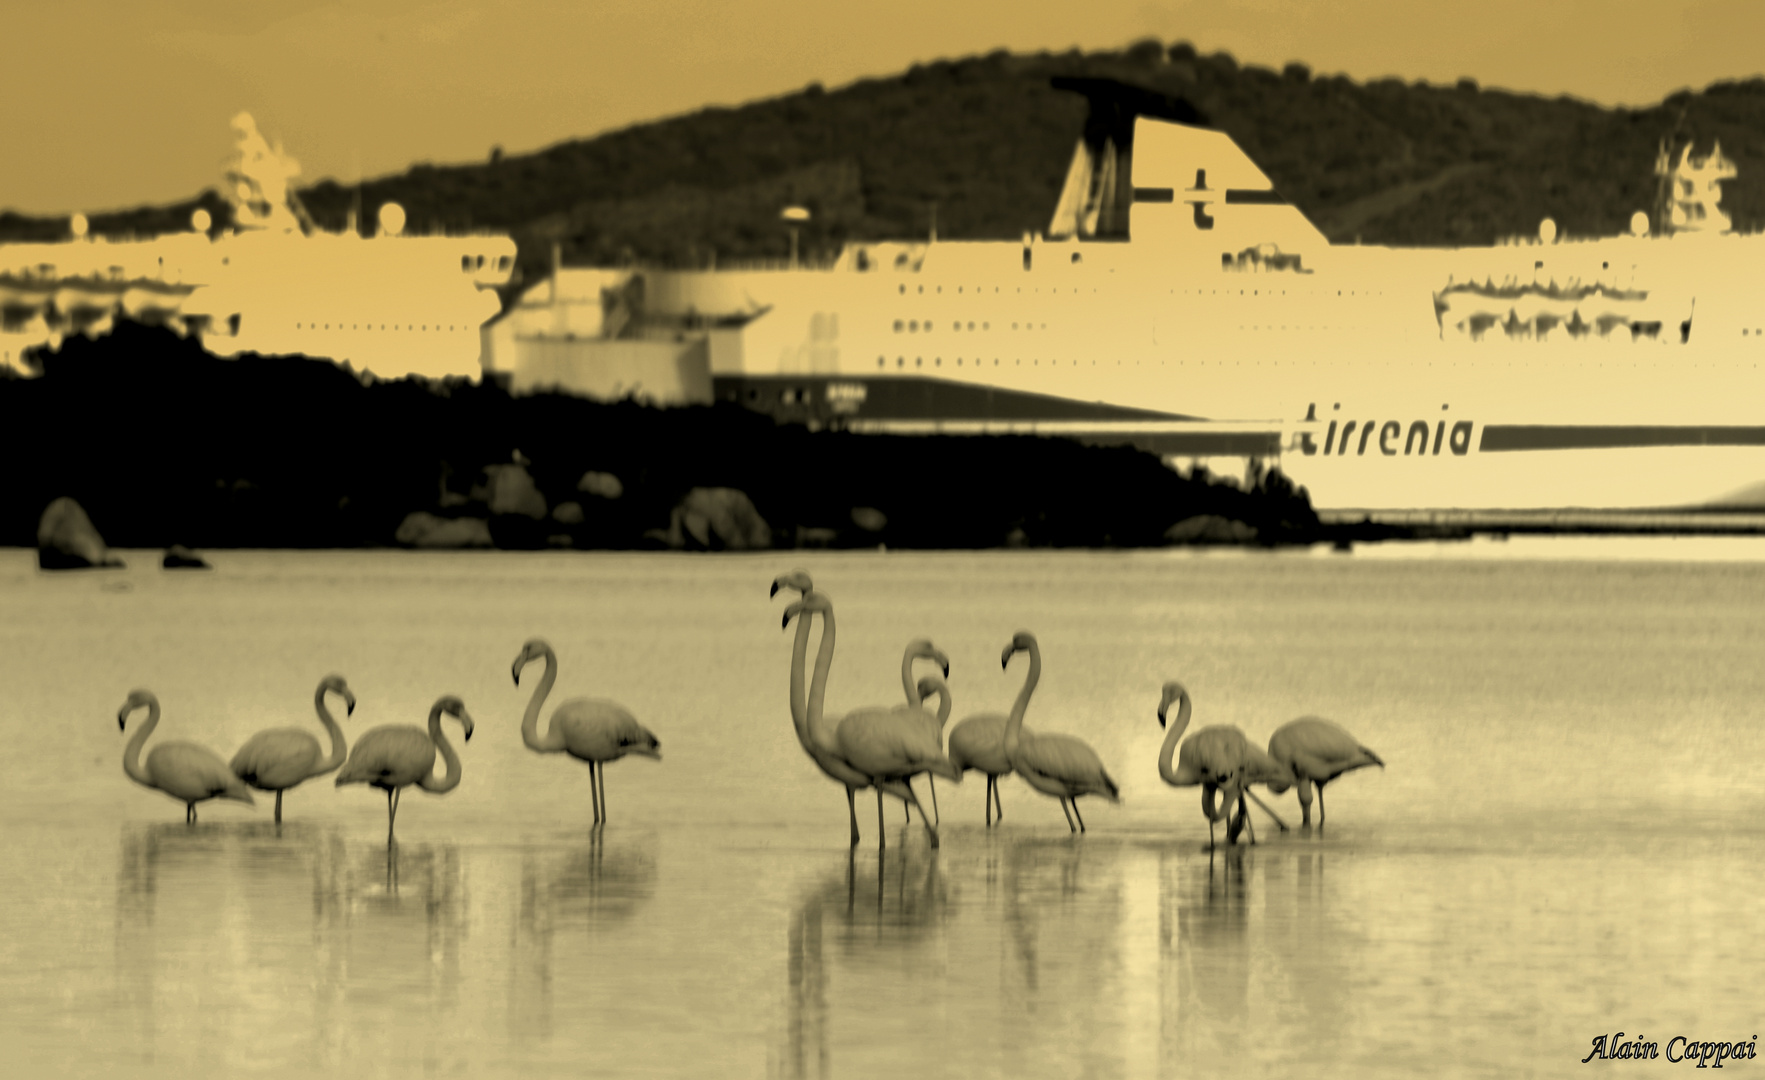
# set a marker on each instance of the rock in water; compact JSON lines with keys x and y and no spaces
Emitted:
{"x":1209,"y":529}
{"x":512,"y":491}
{"x":718,"y":519}
{"x":67,"y":540}
{"x":426,"y":530}
{"x":179,"y":557}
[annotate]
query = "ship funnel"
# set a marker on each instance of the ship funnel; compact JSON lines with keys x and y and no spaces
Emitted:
{"x":1099,"y":188}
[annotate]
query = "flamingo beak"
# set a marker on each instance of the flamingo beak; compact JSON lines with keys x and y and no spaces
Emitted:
{"x":1161,"y":709}
{"x":122,"y":720}
{"x":774,"y":591}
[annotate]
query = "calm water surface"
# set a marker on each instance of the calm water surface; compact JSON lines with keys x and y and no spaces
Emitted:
{"x":1567,"y":841}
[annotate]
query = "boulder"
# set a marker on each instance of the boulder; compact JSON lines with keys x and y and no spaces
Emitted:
{"x":718,"y":519}
{"x":67,"y":540}
{"x":426,"y":530}
{"x":511,"y":490}
{"x":605,"y":485}
{"x":1209,"y":529}
{"x":179,"y":557}
{"x":869,"y":518}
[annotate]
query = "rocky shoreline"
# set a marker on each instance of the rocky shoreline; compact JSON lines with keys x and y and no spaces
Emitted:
{"x":160,"y":443}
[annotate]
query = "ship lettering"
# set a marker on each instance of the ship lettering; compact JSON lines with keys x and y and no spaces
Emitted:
{"x":1339,"y":437}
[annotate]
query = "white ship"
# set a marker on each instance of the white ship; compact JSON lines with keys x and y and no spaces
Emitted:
{"x":393,"y":304}
{"x":1178,"y":302}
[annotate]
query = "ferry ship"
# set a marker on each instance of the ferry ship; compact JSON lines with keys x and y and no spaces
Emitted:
{"x":273,"y":283}
{"x":1178,"y":302}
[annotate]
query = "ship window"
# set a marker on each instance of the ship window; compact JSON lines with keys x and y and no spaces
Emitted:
{"x":939,"y":362}
{"x":465,"y":264}
{"x":502,"y":263}
{"x":903,"y":289}
{"x":480,"y":262}
{"x":986,"y":326}
{"x":900,"y":361}
{"x":297,"y":327}
{"x":922,"y":288}
{"x":880,"y":361}
{"x":913,"y":326}
{"x":919,"y":361}
{"x":899,"y":326}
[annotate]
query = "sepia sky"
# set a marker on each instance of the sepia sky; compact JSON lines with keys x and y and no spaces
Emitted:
{"x":118,"y":104}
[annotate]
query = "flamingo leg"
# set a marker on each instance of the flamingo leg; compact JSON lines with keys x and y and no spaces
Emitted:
{"x":1266,"y":810}
{"x":1000,"y":816}
{"x":278,"y":808}
{"x":989,"y":800}
{"x":852,"y":809}
{"x":1244,"y":812}
{"x":882,"y":836}
{"x":1320,"y":804}
{"x":936,"y":814}
{"x":906,"y":813}
{"x":923,"y":820}
{"x":189,"y":813}
{"x":594,"y":793}
{"x":1075,"y":813}
{"x":1064,"y":810}
{"x":601,"y":767}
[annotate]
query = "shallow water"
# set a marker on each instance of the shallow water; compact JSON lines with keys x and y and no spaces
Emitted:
{"x":1566,"y":842}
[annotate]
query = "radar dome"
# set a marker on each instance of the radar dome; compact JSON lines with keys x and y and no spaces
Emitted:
{"x":1639,"y":223}
{"x":77,"y":225}
{"x":200,"y":221}
{"x":1547,"y":231}
{"x":391,"y":219}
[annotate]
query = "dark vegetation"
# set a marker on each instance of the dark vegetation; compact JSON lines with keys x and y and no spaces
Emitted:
{"x":986,"y":141}
{"x":163,"y":443}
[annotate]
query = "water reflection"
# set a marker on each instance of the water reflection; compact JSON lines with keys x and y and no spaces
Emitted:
{"x":587,"y":888}
{"x":220,"y":929}
{"x":885,"y":914}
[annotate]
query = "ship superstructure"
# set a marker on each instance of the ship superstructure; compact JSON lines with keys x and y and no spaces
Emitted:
{"x":274,"y":283}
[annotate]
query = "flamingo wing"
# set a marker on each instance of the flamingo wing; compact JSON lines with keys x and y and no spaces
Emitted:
{"x":277,"y":759}
{"x":193,"y":773}
{"x":393,"y":755}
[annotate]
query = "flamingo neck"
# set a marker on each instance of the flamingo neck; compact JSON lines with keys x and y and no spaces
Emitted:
{"x":550,"y":742}
{"x":818,"y":682}
{"x":429,"y":783}
{"x":799,"y":659}
{"x":943,"y":692}
{"x":1014,"y":724}
{"x":132,"y":753}
{"x":339,"y":750}
{"x":1169,"y":749}
{"x":907,"y":682}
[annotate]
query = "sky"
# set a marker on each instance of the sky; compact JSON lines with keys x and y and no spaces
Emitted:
{"x":116,"y":104}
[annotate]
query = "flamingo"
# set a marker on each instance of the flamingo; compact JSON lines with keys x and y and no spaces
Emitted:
{"x":392,"y":757}
{"x":185,"y":771}
{"x":1057,"y":765}
{"x":927,"y":686}
{"x":1311,"y":751}
{"x":819,"y":739}
{"x":922,"y":649}
{"x":1216,"y":757}
{"x":285,"y":757}
{"x":588,"y":729}
{"x":978,"y":742}
{"x":891,"y":744}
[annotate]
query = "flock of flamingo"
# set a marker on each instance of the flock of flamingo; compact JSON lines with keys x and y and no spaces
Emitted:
{"x":880,"y":747}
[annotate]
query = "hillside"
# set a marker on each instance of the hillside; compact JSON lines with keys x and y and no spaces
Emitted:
{"x":986,"y":141}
